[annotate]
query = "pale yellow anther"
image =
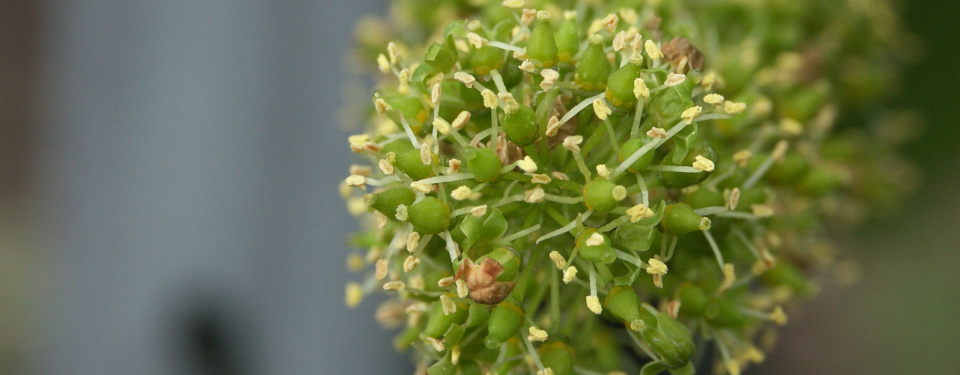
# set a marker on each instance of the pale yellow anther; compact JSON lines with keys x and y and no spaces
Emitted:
{"x":560,"y":176}
{"x":553,"y":125}
{"x":345,"y":190}
{"x":510,"y":104}
{"x":354,"y":294}
{"x":705,"y":223}
{"x":527,"y":66}
{"x":537,"y":334}
{"x":558,"y":260}
{"x":410,"y":263}
{"x":381,"y":219}
{"x":603,"y":171}
{"x":453,"y":165}
{"x":778,"y":316}
{"x":569,"y":274}
{"x":734,"y":108}
{"x":656,"y":267}
{"x":520,"y":55}
{"x":380,"y":269}
{"x":385,"y":166}
{"x":404,"y":78}
{"x":358,"y":142}
{"x":461,"y":120}
{"x":619,"y":41}
{"x":479,"y":211}
{"x":691,"y":114}
{"x":421,"y":187}
{"x":636,"y":58}
{"x":742,"y":157}
{"x":445,"y":282}
{"x":570,"y":15}
{"x":543,"y":15}
{"x":610,"y":22}
{"x":595,"y":39}
{"x":447,"y":304}
{"x":640,"y":89}
{"x":713,"y":99}
{"x":413,"y":240}
{"x":637,"y":325}
{"x":356,"y":263}
{"x":593,"y":303}
{"x":791,"y":127}
{"x":356,"y":206}
{"x":356,"y":180}
{"x":394,"y":285}
{"x":476,"y":40}
{"x":709,"y":80}
{"x":729,"y":276}
{"x":753,"y":354}
{"x":674,"y":79}
{"x":550,"y":77}
{"x":466,"y":78}
{"x":761,"y":210}
{"x":527,"y":16}
{"x":362,"y":170}
{"x":540,"y":179}
{"x":426,"y":157}
{"x":653,"y":52}
{"x":489,"y":99}
{"x":534,"y":195}
{"x":527,"y":164}
{"x":402,"y":213}
{"x":733,"y":367}
{"x":545,"y":371}
{"x":461,"y":193}
{"x":442,"y":125}
{"x":436,"y":344}
{"x":455,"y":355}
{"x":595,"y":239}
{"x":733,"y":199}
{"x":383,"y":64}
{"x":435,"y":94}
{"x":516,"y":4}
{"x":673,"y":308}
{"x":462,"y":290}
{"x":601,"y":109}
{"x":657,"y":133}
{"x":779,"y":150}
{"x":703,"y":164}
{"x":619,"y":193}
{"x":639,"y":212}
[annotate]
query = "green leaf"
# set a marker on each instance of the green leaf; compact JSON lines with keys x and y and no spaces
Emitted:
{"x":495,"y":226}
{"x":653,"y":368}
{"x":472,"y":228}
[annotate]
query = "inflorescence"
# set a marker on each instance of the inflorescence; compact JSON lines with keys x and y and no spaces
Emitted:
{"x":585,"y":188}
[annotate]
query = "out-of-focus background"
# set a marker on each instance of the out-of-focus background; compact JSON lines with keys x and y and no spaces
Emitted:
{"x":169,"y":205}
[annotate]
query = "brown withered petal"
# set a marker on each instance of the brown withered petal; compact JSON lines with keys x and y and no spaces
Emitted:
{"x":482,"y":281}
{"x":682,"y":55}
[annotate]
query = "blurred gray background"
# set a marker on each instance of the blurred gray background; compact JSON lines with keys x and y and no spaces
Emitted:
{"x":168,"y":201}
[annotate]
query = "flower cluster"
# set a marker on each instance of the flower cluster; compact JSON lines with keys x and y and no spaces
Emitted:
{"x":550,"y":184}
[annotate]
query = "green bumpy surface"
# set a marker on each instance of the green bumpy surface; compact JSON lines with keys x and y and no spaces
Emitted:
{"x":560,"y":187}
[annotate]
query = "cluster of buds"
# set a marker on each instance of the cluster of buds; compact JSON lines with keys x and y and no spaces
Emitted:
{"x":564,"y":187}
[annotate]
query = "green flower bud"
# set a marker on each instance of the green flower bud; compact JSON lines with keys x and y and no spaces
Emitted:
{"x":680,"y":219}
{"x":442,"y":367}
{"x":693,"y":300}
{"x":441,"y":57}
{"x":439,"y":323}
{"x":623,"y":303}
{"x":558,"y":356}
{"x":620,"y":85}
{"x":598,"y":195}
{"x":631,"y":146}
{"x":787,"y":275}
{"x":429,"y":216}
{"x":485,"y":59}
{"x":568,"y":41}
{"x":671,"y":340}
{"x":704,"y":197}
{"x":411,"y":108}
{"x":667,"y":105}
{"x":725,"y":312}
{"x":504,"y":322}
{"x":542,"y":46}
{"x":595,"y":247}
{"x":789,"y":170}
{"x":455,"y":333}
{"x":593,"y":68}
{"x":409,"y":163}
{"x":483,"y":163}
{"x":478,"y":315}
{"x":684,"y":179}
{"x":521,"y":126}
{"x":387,"y":201}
